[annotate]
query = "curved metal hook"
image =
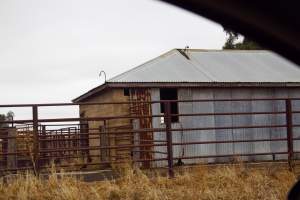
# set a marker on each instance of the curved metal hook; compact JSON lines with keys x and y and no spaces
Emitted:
{"x":102,"y":71}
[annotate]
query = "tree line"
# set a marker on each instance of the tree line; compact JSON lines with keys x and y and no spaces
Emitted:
{"x":233,"y":43}
{"x":6,"y":117}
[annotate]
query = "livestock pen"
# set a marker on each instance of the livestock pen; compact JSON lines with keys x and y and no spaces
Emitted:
{"x":258,"y":135}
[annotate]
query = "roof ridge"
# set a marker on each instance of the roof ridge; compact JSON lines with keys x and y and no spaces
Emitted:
{"x":194,"y":66}
{"x":224,"y":50}
{"x":139,"y":66}
{"x":199,"y":69}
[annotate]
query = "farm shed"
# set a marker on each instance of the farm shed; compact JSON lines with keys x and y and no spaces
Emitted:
{"x":191,"y":74}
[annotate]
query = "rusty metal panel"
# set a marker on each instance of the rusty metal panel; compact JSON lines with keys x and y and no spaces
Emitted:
{"x":143,"y":109}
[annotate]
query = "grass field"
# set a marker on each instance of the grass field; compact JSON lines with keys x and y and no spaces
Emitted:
{"x":230,"y":182}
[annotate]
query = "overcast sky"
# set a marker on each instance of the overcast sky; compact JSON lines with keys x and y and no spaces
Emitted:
{"x":53,"y":50}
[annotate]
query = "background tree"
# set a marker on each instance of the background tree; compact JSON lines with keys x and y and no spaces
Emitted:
{"x":8,"y":117}
{"x":245,"y":44}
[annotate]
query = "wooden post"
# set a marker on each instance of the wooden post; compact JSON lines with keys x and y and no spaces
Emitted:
{"x":289,"y":131}
{"x":136,"y":155}
{"x":103,"y":142}
{"x":11,"y":148}
{"x":43,"y":145}
{"x":167,"y":116}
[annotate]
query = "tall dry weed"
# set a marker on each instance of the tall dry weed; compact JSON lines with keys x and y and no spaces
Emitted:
{"x":227,"y":182}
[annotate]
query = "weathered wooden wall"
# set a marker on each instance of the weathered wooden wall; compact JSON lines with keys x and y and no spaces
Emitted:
{"x":115,"y":95}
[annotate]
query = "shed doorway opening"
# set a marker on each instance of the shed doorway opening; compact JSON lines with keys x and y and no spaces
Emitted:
{"x":169,"y":94}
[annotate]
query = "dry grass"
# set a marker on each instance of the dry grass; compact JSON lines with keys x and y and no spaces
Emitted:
{"x":199,"y":183}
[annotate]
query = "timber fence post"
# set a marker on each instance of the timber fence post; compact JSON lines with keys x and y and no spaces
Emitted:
{"x":11,"y":148}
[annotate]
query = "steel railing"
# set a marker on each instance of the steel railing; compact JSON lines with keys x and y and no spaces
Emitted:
{"x":32,"y":145}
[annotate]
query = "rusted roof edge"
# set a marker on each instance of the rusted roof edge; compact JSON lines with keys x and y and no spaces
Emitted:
{"x":90,"y":93}
{"x":204,"y":84}
{"x":107,"y":85}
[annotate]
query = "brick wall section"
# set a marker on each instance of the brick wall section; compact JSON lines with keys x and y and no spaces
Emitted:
{"x":110,"y":95}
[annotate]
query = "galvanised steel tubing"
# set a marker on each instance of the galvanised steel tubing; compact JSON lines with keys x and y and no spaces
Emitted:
{"x":151,"y":160}
{"x":117,"y":132}
{"x":228,"y":127}
{"x":230,"y":155}
{"x":4,"y":128}
{"x":97,"y":156}
{"x":228,"y":113}
{"x":161,"y":152}
{"x":16,"y":169}
{"x":205,"y":128}
{"x":132,"y":131}
{"x":174,"y":129}
{"x":73,"y":131}
{"x":74,"y":125}
{"x":227,"y":141}
{"x":98,"y":148}
{"x":84,"y":119}
{"x":130,"y":117}
{"x":15,"y":153}
{"x":138,"y":116}
{"x":91,"y":156}
{"x":107,"y":162}
{"x":148,"y":130}
{"x":35,"y":137}
{"x":289,"y":131}
{"x":130,"y":102}
{"x":63,"y":157}
{"x":144,"y":145}
{"x":71,"y":139}
{"x":17,"y":137}
{"x":167,"y":117}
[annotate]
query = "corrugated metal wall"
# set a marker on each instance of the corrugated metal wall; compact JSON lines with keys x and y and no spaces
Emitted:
{"x":296,"y":118}
{"x":238,"y":120}
{"x":242,"y":120}
{"x":156,"y":123}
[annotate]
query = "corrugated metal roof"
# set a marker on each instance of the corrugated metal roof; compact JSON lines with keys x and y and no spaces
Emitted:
{"x":213,"y":66}
{"x":207,"y":68}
